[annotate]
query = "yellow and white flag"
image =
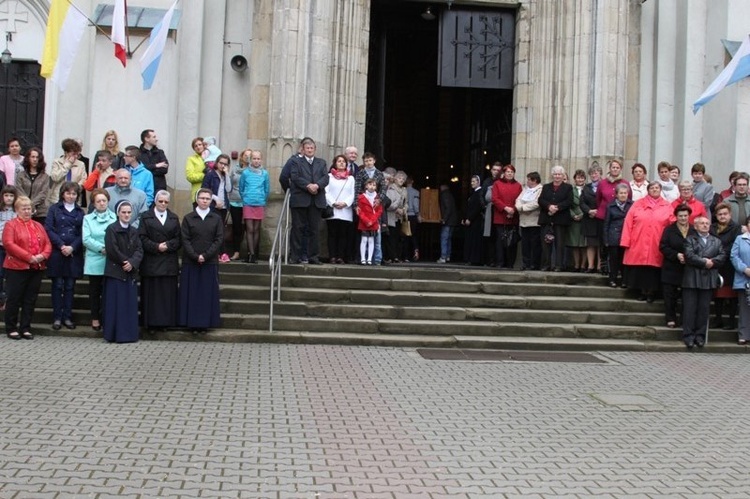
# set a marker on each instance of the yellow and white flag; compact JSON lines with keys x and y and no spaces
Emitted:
{"x":65,"y":27}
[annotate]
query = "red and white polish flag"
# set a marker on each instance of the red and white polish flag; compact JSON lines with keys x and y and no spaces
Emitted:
{"x":118,"y":30}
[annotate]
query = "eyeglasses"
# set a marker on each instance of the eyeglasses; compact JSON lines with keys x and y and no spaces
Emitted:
{"x":163,"y":201}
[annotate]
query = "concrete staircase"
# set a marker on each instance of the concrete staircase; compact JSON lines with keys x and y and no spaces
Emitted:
{"x":427,"y":305}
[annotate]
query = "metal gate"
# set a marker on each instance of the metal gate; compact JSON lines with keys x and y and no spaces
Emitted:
{"x":21,"y":103}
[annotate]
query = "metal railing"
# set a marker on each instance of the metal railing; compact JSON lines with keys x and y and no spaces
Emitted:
{"x":279,"y":254}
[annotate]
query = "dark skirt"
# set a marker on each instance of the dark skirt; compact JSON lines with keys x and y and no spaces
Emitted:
{"x":199,"y":296}
{"x":643,"y":277}
{"x":159,"y":301}
{"x":120,"y":322}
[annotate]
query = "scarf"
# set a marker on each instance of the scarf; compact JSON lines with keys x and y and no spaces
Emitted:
{"x":340,"y":174}
{"x":528,"y":195}
{"x":666,"y":185}
{"x":620,"y":205}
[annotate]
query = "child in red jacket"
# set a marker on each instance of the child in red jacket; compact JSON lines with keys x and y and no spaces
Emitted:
{"x":370,"y":210}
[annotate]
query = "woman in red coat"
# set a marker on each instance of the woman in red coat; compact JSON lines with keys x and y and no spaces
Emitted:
{"x":641,"y":234}
{"x":687,"y":197}
{"x":505,"y":191}
{"x":27,"y":250}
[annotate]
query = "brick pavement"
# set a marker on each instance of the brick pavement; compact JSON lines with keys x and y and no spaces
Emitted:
{"x":80,"y":418}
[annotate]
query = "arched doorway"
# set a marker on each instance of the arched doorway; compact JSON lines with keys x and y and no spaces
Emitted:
{"x":429,"y":112}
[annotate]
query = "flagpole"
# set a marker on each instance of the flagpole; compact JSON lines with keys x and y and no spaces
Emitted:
{"x":90,"y":21}
{"x":127,"y":31}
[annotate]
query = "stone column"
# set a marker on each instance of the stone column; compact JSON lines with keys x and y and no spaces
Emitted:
{"x":574,"y":78}
{"x":315,"y":83}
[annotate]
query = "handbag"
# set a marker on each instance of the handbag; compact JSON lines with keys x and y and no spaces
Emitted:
{"x":509,"y":236}
{"x":328,"y":210}
{"x":548,"y":234}
{"x":228,"y":236}
{"x":406,"y":227}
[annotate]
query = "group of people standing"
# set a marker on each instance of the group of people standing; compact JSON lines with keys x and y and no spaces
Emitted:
{"x":365,"y":209}
{"x":127,"y":244}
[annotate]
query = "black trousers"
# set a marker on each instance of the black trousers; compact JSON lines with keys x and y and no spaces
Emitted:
{"x":340,"y":234}
{"x":615,"y":255}
{"x":22,"y":287}
{"x":558,"y":246}
{"x":238,"y":227}
{"x":531,"y":247}
{"x":305,"y":221}
{"x":671,"y":294}
{"x":96,"y":288}
{"x":696,"y":307}
{"x":505,"y":256}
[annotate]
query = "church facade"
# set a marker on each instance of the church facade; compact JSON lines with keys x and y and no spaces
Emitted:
{"x":570,"y":82}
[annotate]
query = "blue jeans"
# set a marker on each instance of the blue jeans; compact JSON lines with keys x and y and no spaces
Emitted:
{"x":446,"y":233}
{"x":377,"y":253}
{"x":62,"y":298}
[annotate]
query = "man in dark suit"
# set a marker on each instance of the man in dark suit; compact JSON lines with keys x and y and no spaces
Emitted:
{"x":307,"y":181}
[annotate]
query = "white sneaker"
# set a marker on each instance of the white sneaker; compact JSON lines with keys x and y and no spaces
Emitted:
{"x":441,"y":260}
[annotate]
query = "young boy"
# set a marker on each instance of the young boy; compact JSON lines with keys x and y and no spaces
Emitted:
{"x":369,"y":171}
{"x":369,"y":220}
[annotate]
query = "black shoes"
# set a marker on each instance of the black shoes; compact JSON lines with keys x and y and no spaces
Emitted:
{"x":69,"y":324}
{"x":57,"y":325}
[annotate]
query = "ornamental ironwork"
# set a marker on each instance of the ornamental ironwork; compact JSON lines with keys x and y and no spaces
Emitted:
{"x":476,"y":49}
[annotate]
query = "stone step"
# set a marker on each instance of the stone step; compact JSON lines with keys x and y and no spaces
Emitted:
{"x":470,"y":287}
{"x":430,"y":272}
{"x":463,"y":328}
{"x":406,"y":298}
{"x":414,"y":340}
{"x":344,"y":310}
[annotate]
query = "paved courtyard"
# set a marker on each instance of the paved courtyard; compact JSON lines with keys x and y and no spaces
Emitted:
{"x":81,"y":418}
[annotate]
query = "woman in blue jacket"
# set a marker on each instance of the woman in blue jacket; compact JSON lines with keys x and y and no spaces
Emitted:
{"x":94,"y":227}
{"x":740,"y":258}
{"x":64,"y":226}
{"x":254,"y":189}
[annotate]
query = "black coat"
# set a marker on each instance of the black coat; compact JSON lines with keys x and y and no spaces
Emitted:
{"x":122,"y":244}
{"x":448,"y":211}
{"x":152,"y":233}
{"x":670,"y":245}
{"x":589,"y":226}
{"x":474,"y":208}
{"x":202,"y":237}
{"x":614,"y":219}
{"x":562,"y":197}
{"x":149,"y":158}
{"x":727,"y":238}
{"x":696,"y":275}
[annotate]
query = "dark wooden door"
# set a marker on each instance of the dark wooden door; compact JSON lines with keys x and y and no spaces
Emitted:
{"x":21,"y":103}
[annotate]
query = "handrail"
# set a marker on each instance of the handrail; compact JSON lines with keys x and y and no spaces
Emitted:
{"x":279,"y":252}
